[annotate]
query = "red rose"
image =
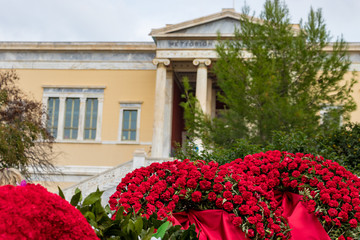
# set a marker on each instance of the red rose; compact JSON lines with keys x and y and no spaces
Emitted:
{"x":209,"y":175}
{"x":325,"y":198}
{"x":353,"y":223}
{"x":205,"y":185}
{"x":218,"y":187}
{"x":237,"y":221}
{"x":346,"y":199}
{"x":191,"y":183}
{"x":161,"y":173}
{"x":333,"y":203}
{"x":250,"y":233}
{"x":333,"y":212}
{"x":228,"y":195}
{"x":228,"y":186}
{"x":247,"y":195}
{"x":237,"y":199}
{"x":314,"y":181}
{"x":344,"y":216}
{"x":228,"y":206}
{"x":196,"y":196}
{"x":252,"y":220}
{"x":293,"y":183}
{"x":219,"y":203}
{"x":295,"y":174}
{"x":292,"y":166}
{"x":212,"y":196}
{"x":219,"y":179}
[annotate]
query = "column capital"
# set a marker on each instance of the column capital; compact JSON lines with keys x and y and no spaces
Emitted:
{"x":201,"y":61}
{"x":161,"y":61}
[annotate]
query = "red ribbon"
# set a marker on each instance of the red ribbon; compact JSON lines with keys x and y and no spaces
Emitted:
{"x":217,"y":224}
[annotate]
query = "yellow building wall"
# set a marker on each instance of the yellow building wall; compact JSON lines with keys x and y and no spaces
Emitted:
{"x":120,"y":86}
{"x":355,"y":115}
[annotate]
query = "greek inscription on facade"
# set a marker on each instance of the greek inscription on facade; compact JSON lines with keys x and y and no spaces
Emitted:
{"x":188,"y":44}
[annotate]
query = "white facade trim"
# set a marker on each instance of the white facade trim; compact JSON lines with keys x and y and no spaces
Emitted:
{"x":82,"y":93}
{"x":129,"y":106}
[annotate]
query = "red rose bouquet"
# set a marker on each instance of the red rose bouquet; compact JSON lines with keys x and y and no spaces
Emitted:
{"x":31,"y":212}
{"x":179,"y":186}
{"x":247,"y":187}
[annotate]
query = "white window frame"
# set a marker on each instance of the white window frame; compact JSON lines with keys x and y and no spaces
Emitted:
{"x":325,"y":109}
{"x":83,"y":93}
{"x":129,"y":106}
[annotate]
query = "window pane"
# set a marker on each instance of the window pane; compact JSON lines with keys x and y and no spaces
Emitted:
{"x":129,"y":125}
{"x":133,"y":135}
{"x":91,"y":118}
{"x":126,"y":119}
{"x":133,"y":120}
{"x":72,"y":108}
{"x":86,"y":134}
{"x":53,"y":116}
{"x":125,"y":135}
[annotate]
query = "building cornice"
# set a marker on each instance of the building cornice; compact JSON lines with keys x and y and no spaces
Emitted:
{"x":78,"y":46}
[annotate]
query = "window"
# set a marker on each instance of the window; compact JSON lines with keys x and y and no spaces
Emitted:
{"x":71,"y":118}
{"x":91,"y":118}
{"x":129,"y":122}
{"x":53,"y":116}
{"x":330,"y":117}
{"x":129,"y":125}
{"x":74,"y":114}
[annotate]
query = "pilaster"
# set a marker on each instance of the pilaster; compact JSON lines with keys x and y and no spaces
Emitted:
{"x":163,"y":91}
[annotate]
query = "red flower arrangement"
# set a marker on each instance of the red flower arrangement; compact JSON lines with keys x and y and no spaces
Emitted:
{"x":31,"y":212}
{"x":246,"y":188}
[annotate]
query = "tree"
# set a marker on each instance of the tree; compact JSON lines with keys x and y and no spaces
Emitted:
{"x":286,"y":80}
{"x":24,"y":140}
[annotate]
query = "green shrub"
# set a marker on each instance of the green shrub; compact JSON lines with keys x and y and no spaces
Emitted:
{"x":125,"y":227}
{"x":345,"y":142}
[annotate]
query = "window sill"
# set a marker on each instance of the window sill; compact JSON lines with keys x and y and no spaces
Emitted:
{"x":78,"y":141}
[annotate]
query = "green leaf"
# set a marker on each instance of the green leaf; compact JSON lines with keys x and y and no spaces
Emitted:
{"x":138,"y":225}
{"x":93,"y":197}
{"x":90,"y":215}
{"x":61,"y":194}
{"x":161,"y":230}
{"x":75,"y":199}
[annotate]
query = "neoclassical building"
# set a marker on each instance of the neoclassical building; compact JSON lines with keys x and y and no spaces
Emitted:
{"x":110,"y":103}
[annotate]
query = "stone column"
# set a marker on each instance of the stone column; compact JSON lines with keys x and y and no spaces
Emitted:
{"x":202,"y":83}
{"x":161,"y":110}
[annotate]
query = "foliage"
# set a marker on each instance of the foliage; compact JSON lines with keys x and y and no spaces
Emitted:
{"x":125,"y":226}
{"x":24,"y":140}
{"x":220,"y":154}
{"x":277,"y":76}
{"x":345,"y":142}
{"x":297,"y":141}
{"x":342,"y":145}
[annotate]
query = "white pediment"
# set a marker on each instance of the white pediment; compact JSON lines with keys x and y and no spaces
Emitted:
{"x":224,"y":22}
{"x":224,"y":26}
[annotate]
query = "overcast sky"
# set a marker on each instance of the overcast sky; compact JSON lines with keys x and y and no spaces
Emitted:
{"x":132,"y":20}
